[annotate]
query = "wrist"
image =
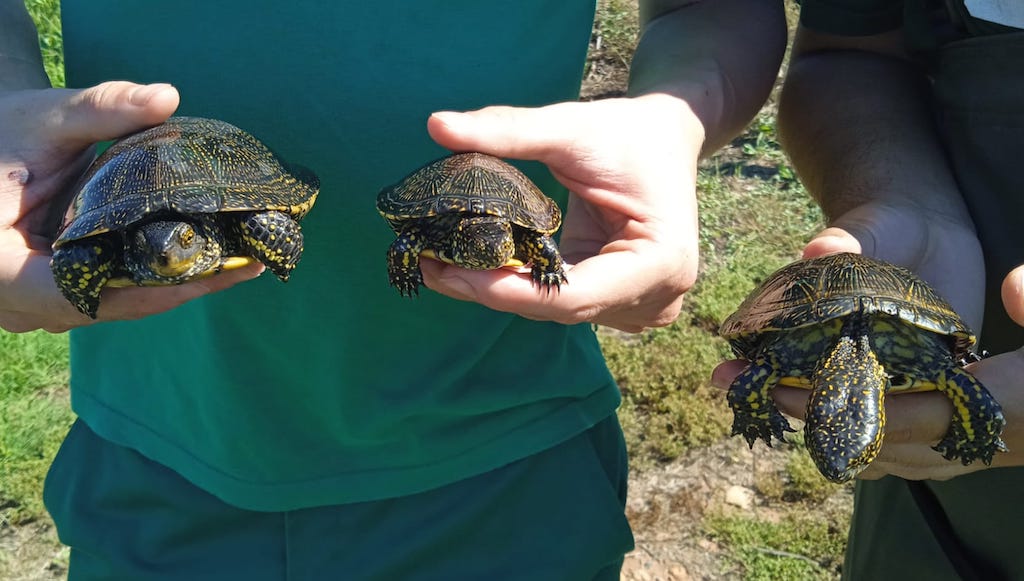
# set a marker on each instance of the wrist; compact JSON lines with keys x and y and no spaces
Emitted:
{"x":665,"y":110}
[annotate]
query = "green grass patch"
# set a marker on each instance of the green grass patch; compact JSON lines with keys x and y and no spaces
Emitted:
{"x":798,"y":546}
{"x":46,"y":14}
{"x":617,"y":29}
{"x":668,"y":404}
{"x":34,"y":416}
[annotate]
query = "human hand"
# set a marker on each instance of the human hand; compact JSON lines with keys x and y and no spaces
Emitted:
{"x":46,"y":142}
{"x":935,"y":248}
{"x":630,"y":230}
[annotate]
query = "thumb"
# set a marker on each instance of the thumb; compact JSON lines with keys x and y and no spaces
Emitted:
{"x":511,"y":132}
{"x":106,"y":111}
{"x":1013,"y":295}
{"x":831,"y":241}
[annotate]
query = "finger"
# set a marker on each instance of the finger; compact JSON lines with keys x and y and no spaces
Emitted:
{"x":640,"y":295}
{"x":725,"y":373}
{"x":138,"y":302}
{"x":512,"y":132}
{"x":791,"y":401}
{"x":831,"y":241}
{"x":913,"y":462}
{"x":917,"y":418}
{"x":1013,"y":295}
{"x":107,"y":111}
{"x":34,"y":302}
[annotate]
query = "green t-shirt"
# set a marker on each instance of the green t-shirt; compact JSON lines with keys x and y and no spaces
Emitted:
{"x":332,"y":388}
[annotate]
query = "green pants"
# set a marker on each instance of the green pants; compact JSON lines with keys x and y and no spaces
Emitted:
{"x":557,"y":515}
{"x":968,"y":527}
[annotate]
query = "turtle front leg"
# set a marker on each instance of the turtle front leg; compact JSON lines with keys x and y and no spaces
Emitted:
{"x":754,"y":412}
{"x":539,"y":250}
{"x":274,"y":238}
{"x":977,"y":424}
{"x":81,"y":269}
{"x":404,"y":261}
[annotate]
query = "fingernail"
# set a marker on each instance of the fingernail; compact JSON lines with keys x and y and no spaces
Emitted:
{"x":141,"y":95}
{"x":451,"y":118}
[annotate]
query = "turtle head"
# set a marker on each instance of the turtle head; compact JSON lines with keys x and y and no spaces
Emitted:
{"x":170,"y":250}
{"x":845,"y":413}
{"x":479,"y":243}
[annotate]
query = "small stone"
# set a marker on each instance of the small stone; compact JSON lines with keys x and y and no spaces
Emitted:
{"x":740,"y":496}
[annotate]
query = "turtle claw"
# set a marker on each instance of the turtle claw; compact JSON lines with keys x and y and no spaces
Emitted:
{"x":408,"y":287}
{"x":547,"y":279}
{"x":753,"y":427}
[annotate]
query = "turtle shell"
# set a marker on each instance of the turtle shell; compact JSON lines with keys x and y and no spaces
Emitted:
{"x":818,"y":290}
{"x":188,"y":165}
{"x":470,"y":182}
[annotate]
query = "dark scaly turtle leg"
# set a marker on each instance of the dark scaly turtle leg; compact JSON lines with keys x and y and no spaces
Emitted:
{"x":845,"y":414}
{"x":404,"y":261}
{"x":539,"y":250}
{"x":754,"y":412}
{"x":274,"y":238}
{"x":81,"y":269}
{"x":977,"y":419}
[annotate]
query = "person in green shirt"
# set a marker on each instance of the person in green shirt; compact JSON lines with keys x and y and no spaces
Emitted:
{"x":906,"y":123}
{"x":329,"y":428}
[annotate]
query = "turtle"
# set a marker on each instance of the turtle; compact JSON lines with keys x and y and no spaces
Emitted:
{"x":177,"y":202}
{"x":475,"y":211}
{"x":852,"y":329}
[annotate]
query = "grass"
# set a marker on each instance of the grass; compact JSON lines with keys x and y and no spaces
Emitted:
{"x":46,"y":14}
{"x":754,"y":217}
{"x":798,"y":546}
{"x":34,"y":416}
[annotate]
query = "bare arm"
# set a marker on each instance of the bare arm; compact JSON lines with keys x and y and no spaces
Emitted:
{"x":855,"y":119}
{"x":21,"y":65}
{"x":721,"y":57}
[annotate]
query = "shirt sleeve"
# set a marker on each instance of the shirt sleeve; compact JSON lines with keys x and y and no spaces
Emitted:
{"x":851,"y":17}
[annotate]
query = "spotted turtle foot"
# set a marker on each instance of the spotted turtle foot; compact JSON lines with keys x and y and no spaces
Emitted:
{"x":977,"y":423}
{"x":404,"y":262}
{"x":754,"y":412}
{"x":546,"y":279}
{"x":275,"y":239}
{"x":957,"y":445}
{"x":762,"y":426}
{"x":81,"y":270}
{"x":540,"y":251}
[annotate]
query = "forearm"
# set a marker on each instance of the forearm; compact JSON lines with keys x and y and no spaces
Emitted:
{"x":21,"y":65}
{"x":857,"y":125}
{"x":720,"y":58}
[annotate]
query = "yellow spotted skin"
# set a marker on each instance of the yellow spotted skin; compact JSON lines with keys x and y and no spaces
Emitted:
{"x":474,"y":211}
{"x":223,"y":183}
{"x":852,"y":330}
